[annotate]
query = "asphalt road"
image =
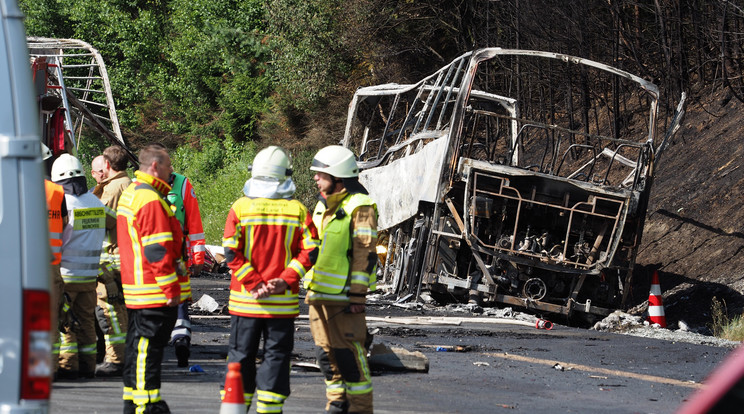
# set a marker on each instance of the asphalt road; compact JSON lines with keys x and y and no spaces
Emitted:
{"x":504,"y":368}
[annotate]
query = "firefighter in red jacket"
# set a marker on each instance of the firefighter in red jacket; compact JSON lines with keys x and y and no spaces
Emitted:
{"x":186,"y":208}
{"x":153,"y":277}
{"x":269,"y":240}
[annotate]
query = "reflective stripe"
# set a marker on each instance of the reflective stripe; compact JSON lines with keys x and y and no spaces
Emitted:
{"x":341,"y":297}
{"x":83,"y":252}
{"x":196,"y":236}
{"x":271,"y":396}
{"x":269,"y":402}
{"x":87,"y":349}
{"x":117,"y":339}
{"x":140,"y":367}
{"x":361,"y":387}
{"x":335,"y":387}
{"x":69,"y":266}
{"x":68,"y":348}
{"x":157,"y":238}
{"x":79,"y":279}
{"x":364,"y":231}
{"x":243,"y":303}
{"x":143,"y":397}
{"x":360,"y":277}
{"x":167,"y":279}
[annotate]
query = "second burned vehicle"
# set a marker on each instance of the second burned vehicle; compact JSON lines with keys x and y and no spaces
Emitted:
{"x":513,"y":177}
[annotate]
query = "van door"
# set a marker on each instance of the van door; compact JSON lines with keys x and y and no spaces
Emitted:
{"x":24,"y":239}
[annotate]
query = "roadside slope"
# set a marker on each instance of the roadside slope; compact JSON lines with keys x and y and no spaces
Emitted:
{"x":693,"y":233}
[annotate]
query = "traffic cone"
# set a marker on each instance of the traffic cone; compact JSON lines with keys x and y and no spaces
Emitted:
{"x":233,"y":402}
{"x":655,"y":305}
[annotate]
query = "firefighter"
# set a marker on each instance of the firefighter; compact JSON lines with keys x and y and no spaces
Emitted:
{"x":186,"y":208}
{"x":337,"y":285}
{"x":153,"y":276}
{"x":82,"y":238}
{"x":109,"y":171}
{"x":269,"y":239}
{"x":57,"y":216}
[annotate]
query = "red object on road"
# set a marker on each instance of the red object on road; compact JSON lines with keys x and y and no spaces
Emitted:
{"x":233,"y":402}
{"x":655,"y":305}
{"x":722,"y":388}
{"x":544,"y":324}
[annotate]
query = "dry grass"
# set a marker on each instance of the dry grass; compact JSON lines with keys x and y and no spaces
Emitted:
{"x":722,"y":325}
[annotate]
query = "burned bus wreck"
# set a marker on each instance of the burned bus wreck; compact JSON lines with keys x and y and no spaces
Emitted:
{"x":512,"y":177}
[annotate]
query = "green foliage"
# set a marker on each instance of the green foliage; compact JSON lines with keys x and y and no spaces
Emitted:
{"x":308,"y":63}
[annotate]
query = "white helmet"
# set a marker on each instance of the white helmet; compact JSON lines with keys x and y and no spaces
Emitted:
{"x":66,"y":166}
{"x":46,"y":153}
{"x":337,"y":161}
{"x":271,"y":162}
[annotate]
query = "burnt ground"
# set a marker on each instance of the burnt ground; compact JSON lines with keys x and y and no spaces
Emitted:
{"x":693,"y":234}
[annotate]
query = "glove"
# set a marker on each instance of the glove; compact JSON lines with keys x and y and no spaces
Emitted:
{"x":67,"y":320}
{"x":114,"y":293}
{"x":181,"y":268}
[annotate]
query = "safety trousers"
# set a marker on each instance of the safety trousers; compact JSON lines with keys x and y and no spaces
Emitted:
{"x":183,"y":324}
{"x":57,"y":289}
{"x":112,"y":318}
{"x":147,"y":335}
{"x":342,"y":357}
{"x":271,"y":380}
{"x":77,"y":351}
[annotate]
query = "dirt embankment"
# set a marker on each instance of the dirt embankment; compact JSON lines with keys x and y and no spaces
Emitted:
{"x":693,"y":233}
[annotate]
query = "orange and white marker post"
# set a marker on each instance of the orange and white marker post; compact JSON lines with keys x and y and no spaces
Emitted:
{"x":655,"y":305}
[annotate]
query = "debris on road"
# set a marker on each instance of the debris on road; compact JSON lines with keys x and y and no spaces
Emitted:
{"x":446,"y":348}
{"x":624,"y":323}
{"x":393,"y":358}
{"x":306,"y":366}
{"x":207,"y":303}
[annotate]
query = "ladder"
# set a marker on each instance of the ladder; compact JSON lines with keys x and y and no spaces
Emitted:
{"x":76,"y":75}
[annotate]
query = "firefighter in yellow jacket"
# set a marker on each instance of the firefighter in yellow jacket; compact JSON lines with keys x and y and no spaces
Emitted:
{"x":153,"y":276}
{"x":339,"y":281}
{"x":109,"y":171}
{"x":269,"y":239}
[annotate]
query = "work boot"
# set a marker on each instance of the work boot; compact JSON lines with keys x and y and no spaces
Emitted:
{"x":67,"y":374}
{"x":87,"y":374}
{"x":109,"y":369}
{"x":337,"y":407}
{"x":182,"y":351}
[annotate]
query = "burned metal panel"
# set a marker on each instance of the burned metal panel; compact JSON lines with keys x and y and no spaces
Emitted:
{"x":400,"y":186}
{"x":540,"y":178}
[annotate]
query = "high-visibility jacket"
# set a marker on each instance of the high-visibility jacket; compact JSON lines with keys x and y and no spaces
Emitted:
{"x":182,"y":197}
{"x":346,"y":265}
{"x":265,"y":239}
{"x":55,"y":196}
{"x":149,"y":237}
{"x":82,"y":238}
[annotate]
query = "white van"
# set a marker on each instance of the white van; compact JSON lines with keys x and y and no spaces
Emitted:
{"x":24,"y":239}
